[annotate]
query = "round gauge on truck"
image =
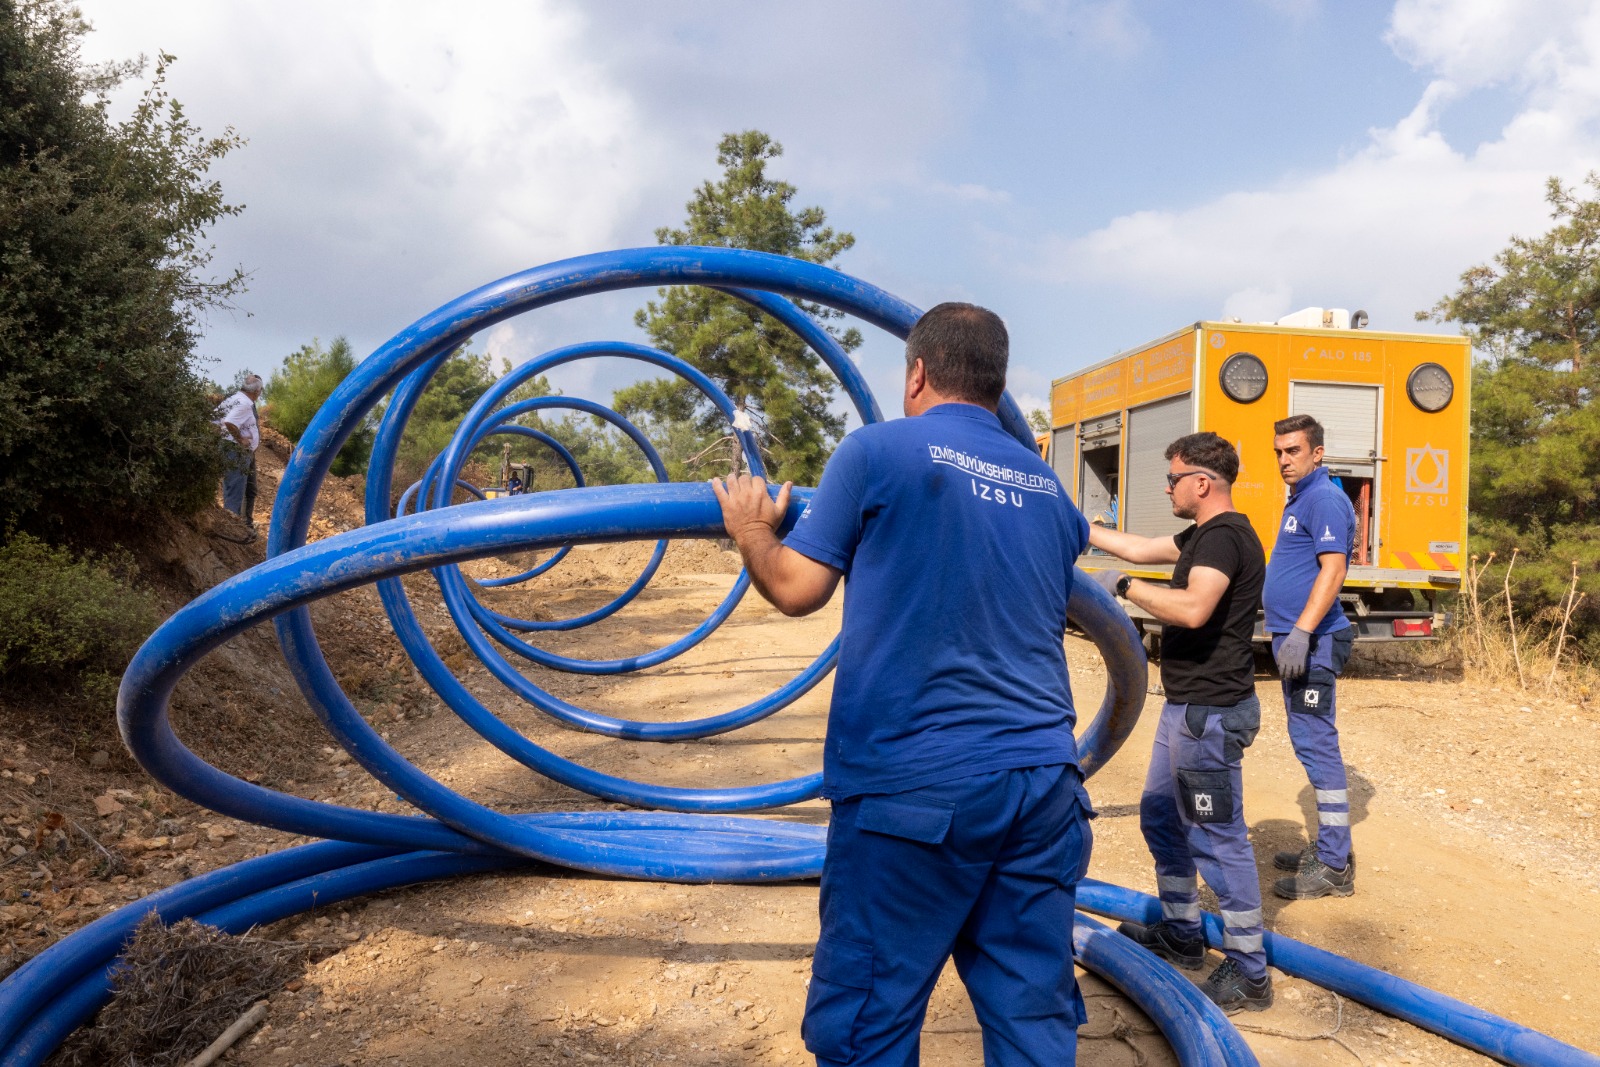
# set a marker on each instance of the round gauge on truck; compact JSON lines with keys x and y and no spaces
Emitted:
{"x":1243,"y":377}
{"x":1430,"y":387}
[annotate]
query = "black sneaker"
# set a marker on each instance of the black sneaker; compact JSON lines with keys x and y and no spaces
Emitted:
{"x":1231,"y":991}
{"x":1165,"y":941}
{"x":1316,"y":879}
{"x":1293,"y":861}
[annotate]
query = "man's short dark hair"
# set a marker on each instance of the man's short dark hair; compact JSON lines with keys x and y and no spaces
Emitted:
{"x":1207,"y":450}
{"x":964,"y":349}
{"x":1300,"y":424}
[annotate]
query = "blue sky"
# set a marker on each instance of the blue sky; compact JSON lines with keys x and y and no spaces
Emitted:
{"x":1099,"y":172}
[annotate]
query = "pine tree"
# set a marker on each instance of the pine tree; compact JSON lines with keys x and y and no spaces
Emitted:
{"x":751,"y":355}
{"x":1534,"y":318}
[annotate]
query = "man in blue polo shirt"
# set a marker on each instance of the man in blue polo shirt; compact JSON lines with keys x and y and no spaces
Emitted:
{"x":960,"y":823}
{"x":1311,"y":640}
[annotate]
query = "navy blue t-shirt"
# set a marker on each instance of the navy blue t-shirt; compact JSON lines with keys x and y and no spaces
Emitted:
{"x":1318,"y":518}
{"x":957,"y":543}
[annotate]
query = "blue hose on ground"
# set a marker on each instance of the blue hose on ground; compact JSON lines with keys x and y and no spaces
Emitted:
{"x":1464,"y":1024}
{"x":74,"y":980}
{"x":1195,"y":1027}
{"x":71,"y":1007}
{"x":416,"y":542}
{"x":33,"y":986}
{"x":47,"y":997}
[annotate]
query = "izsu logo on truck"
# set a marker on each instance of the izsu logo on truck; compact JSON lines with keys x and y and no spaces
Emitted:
{"x":1428,"y":476}
{"x":1427,"y":470}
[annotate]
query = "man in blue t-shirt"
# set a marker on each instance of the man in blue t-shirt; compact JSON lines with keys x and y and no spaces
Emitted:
{"x":1311,"y":640}
{"x":960,"y":823}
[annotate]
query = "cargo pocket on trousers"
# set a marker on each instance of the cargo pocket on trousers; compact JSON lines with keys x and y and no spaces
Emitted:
{"x":1077,"y":844}
{"x":1207,"y":795}
{"x":841,"y":980}
{"x":1240,"y":724}
{"x":906,"y":815}
{"x":1313,"y":694}
{"x":1344,"y":643}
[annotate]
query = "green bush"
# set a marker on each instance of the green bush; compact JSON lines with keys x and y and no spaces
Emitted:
{"x":299,"y":388}
{"x":106,"y":280}
{"x":68,"y":625}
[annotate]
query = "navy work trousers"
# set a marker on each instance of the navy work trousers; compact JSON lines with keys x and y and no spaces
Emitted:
{"x":1192,"y":815}
{"x":238,"y":472}
{"x":984,"y":869}
{"x":1312,"y":703}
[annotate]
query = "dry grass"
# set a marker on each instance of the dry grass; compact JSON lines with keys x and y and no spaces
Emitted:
{"x":1500,"y":645}
{"x":176,"y":988}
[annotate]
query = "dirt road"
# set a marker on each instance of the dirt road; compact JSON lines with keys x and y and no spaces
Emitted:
{"x":1472,"y":815}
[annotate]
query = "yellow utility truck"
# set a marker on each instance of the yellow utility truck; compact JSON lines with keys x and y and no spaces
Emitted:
{"x":1395,"y":410}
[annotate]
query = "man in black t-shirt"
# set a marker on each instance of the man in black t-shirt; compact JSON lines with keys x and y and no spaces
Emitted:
{"x":1192,"y":810}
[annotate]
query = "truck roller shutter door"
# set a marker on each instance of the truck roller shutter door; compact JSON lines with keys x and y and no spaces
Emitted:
{"x":1150,"y":430}
{"x":1064,"y":454}
{"x":1348,"y":413}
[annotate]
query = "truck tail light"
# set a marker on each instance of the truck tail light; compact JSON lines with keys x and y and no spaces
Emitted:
{"x":1413,"y":627}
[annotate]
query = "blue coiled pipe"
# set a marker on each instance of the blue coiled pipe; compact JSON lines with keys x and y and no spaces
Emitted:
{"x":1195,"y":1027}
{"x":450,"y":579}
{"x":562,"y":453}
{"x":59,"y":988}
{"x":1462,"y":1023}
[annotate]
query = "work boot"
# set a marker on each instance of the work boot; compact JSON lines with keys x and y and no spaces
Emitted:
{"x":1231,"y":991}
{"x":1293,"y":861}
{"x":1165,"y":941}
{"x":1316,"y":879}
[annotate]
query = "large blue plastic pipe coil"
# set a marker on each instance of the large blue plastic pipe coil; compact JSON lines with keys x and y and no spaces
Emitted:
{"x":674,"y":834}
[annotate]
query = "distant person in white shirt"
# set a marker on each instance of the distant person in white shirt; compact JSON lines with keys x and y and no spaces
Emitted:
{"x":241,"y":436}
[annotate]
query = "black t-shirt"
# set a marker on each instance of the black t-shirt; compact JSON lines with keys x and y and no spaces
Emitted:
{"x":1214,"y":663}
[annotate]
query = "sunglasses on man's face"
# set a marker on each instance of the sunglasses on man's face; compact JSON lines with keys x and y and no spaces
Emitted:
{"x":1174,"y":479}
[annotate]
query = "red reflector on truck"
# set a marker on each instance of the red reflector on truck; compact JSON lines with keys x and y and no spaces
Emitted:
{"x":1413,"y":627}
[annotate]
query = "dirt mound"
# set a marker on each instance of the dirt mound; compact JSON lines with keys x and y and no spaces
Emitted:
{"x":82,"y":828}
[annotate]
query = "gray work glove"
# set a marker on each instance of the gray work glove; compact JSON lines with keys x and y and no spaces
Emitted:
{"x":1107,"y":580}
{"x":1292,"y":654}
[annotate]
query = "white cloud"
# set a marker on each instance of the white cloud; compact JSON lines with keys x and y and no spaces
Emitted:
{"x":1391,"y":227}
{"x":1475,"y":43}
{"x":968,"y":192}
{"x":1259,"y":304}
{"x":399,"y":153}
